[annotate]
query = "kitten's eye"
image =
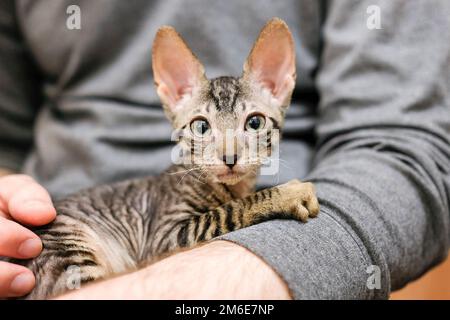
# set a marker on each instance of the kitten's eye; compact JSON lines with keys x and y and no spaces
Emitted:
{"x":255,"y":123}
{"x":200,"y":127}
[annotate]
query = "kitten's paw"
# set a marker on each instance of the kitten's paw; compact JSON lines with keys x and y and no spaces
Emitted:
{"x":299,"y":199}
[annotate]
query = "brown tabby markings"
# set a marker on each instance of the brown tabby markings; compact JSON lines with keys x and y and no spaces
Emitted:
{"x":111,"y":229}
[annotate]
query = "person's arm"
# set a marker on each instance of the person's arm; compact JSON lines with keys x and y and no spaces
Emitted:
{"x":21,"y":198}
{"x":382,"y":172}
{"x":218,"y":270}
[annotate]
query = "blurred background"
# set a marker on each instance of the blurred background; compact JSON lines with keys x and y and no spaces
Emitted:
{"x":435,"y":284}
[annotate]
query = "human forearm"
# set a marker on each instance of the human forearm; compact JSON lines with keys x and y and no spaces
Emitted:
{"x":382,"y":168}
{"x":375,"y":211}
{"x":219,"y":270}
{"x":385,"y":126}
{"x":394,"y":197}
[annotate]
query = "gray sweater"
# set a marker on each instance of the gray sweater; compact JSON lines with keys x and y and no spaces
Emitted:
{"x":369,"y":123}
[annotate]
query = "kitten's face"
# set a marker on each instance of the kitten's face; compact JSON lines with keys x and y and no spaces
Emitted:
{"x":227,"y":126}
{"x":228,"y":129}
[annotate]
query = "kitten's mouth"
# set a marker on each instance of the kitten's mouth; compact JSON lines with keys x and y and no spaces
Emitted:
{"x":230,"y":176}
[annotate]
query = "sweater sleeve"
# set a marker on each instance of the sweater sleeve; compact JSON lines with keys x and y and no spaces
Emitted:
{"x":19,"y":91}
{"x":382,"y":166}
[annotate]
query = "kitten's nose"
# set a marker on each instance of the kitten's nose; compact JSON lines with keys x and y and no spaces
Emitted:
{"x":230,"y":161}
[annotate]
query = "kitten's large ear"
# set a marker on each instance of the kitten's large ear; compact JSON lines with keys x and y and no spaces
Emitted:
{"x":176,"y":70}
{"x":272,"y":60}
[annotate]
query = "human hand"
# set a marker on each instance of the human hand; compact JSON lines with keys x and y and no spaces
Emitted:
{"x":22,"y":201}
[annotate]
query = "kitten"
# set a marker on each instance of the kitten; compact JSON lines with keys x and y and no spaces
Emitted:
{"x":110,"y":229}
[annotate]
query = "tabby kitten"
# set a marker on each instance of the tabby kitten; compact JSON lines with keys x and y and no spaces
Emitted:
{"x":114,"y":228}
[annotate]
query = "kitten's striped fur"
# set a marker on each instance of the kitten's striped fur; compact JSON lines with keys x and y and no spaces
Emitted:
{"x":114,"y":228}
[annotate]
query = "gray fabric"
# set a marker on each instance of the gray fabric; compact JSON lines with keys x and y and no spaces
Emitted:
{"x":376,"y":144}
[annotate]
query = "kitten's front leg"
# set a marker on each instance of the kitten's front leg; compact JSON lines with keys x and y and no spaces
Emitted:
{"x":292,"y":200}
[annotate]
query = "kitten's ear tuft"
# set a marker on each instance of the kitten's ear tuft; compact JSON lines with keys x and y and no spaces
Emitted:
{"x":176,"y":70}
{"x":272,"y":60}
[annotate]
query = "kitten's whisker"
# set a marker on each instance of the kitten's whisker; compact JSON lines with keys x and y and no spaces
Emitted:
{"x":200,"y":178}
{"x":186,"y":172}
{"x":183,"y":171}
{"x":281,"y":161}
